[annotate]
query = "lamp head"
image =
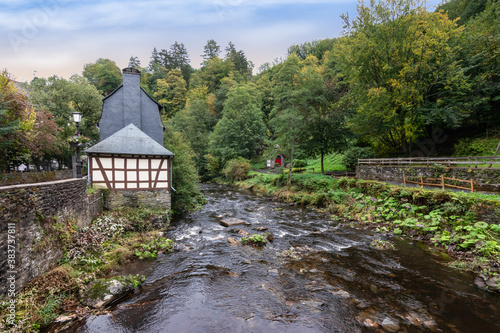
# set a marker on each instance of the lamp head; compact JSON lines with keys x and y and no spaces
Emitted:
{"x":77,"y":117}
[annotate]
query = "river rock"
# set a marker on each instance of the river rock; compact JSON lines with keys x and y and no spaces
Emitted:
{"x":242,"y":232}
{"x":261,"y":228}
{"x":231,"y":221}
{"x":389,"y":325}
{"x":432,"y":326}
{"x":493,"y":283}
{"x":370,"y":323}
{"x":106,"y":291}
{"x":341,"y":293}
{"x":233,"y":241}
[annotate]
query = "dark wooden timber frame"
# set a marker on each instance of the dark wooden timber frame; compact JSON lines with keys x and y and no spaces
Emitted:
{"x":95,"y":164}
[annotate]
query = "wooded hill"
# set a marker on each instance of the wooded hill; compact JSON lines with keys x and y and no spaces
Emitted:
{"x":398,"y":78}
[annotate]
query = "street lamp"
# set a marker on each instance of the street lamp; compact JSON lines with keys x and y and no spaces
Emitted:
{"x":77,"y":118}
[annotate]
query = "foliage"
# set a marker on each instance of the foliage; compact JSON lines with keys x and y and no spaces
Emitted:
{"x":351,"y":156}
{"x":185,"y":179}
{"x":476,"y":147}
{"x":401,"y":66}
{"x":103,"y":74}
{"x":255,"y":240}
{"x":151,"y":249}
{"x":17,"y":118}
{"x":171,"y":92}
{"x":236,"y":169}
{"x":241,"y":131}
{"x":299,"y":163}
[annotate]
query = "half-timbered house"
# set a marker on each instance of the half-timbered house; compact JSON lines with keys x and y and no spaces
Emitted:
{"x":130,"y":160}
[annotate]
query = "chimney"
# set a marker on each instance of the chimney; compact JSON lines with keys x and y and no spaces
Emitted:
{"x":132,"y":97}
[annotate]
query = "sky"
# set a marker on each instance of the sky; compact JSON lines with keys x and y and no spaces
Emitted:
{"x":58,"y":37}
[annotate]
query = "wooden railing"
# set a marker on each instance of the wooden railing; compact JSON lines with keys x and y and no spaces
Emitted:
{"x":476,"y":161}
{"x":441,"y":182}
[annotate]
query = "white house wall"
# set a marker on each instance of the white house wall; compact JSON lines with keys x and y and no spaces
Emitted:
{"x":129,"y":173}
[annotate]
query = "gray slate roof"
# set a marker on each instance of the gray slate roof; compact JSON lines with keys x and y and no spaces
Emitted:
{"x":129,"y":141}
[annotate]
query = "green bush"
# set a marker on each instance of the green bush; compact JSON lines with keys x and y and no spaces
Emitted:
{"x":476,"y":147}
{"x":236,"y":169}
{"x":351,"y":156}
{"x":299,"y":163}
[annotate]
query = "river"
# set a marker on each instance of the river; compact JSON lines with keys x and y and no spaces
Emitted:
{"x":315,"y":276}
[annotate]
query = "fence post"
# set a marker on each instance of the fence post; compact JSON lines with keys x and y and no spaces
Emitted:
{"x":442,"y":181}
{"x":472,"y":185}
{"x":422,"y":181}
{"x":404,"y":179}
{"x":469,"y":161}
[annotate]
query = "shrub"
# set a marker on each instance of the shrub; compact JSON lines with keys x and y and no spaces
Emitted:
{"x":351,"y":156}
{"x":236,"y":169}
{"x":299,"y":163}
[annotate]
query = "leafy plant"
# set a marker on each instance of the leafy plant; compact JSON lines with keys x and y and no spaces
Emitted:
{"x":255,"y":239}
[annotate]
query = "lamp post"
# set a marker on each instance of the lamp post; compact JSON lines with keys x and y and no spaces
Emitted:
{"x":77,"y":118}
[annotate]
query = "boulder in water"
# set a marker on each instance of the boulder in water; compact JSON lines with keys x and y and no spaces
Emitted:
{"x":231,"y":221}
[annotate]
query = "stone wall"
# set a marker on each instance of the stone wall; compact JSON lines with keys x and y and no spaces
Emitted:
{"x":15,"y":178}
{"x":485,"y":179}
{"x":25,"y":211}
{"x":153,"y":199}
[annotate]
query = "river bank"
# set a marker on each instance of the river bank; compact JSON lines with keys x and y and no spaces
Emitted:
{"x":465,"y":225}
{"x":316,"y":275}
{"x":85,"y":280}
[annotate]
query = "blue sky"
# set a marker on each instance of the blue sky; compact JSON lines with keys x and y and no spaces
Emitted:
{"x":57,"y":37}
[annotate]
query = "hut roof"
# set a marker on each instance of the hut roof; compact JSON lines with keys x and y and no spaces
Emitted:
{"x":129,"y":141}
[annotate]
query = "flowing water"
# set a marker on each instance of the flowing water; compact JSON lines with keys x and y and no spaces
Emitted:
{"x":315,"y":276}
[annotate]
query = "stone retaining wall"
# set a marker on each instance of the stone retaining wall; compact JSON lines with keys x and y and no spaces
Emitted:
{"x":485,"y":179}
{"x":23,"y":211}
{"x":15,"y":178}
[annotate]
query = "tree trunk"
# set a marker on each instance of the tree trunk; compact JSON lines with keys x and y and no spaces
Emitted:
{"x":290,"y":164}
{"x":322,"y":164}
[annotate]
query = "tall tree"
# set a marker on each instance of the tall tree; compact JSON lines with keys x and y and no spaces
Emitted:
{"x":177,"y":58}
{"x":211,"y":50}
{"x":326,"y":116}
{"x":134,"y":62}
{"x":239,"y":61}
{"x":172,"y":92}
{"x":17,"y":118}
{"x":103,"y":74}
{"x":196,"y":122}
{"x":155,"y":60}
{"x":400,"y":64}
{"x":187,"y":195}
{"x":288,"y":116}
{"x":241,"y":131}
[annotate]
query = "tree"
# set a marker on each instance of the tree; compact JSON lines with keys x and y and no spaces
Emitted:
{"x":103,"y":74}
{"x":196,"y":122}
{"x":177,"y":58}
{"x":185,"y":179}
{"x":480,"y":45}
{"x":17,"y":117}
{"x":326,"y":119}
{"x":211,"y":74}
{"x":241,"y":131}
{"x":45,"y":143}
{"x":155,"y":60}
{"x":404,"y":78}
{"x":61,"y":97}
{"x":171,"y":92}
{"x":288,"y":116}
{"x":134,"y":62}
{"x":239,"y":61}
{"x":211,"y":50}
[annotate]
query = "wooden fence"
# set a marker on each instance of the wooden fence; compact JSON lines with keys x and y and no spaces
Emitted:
{"x":441,"y":183}
{"x":476,"y":161}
